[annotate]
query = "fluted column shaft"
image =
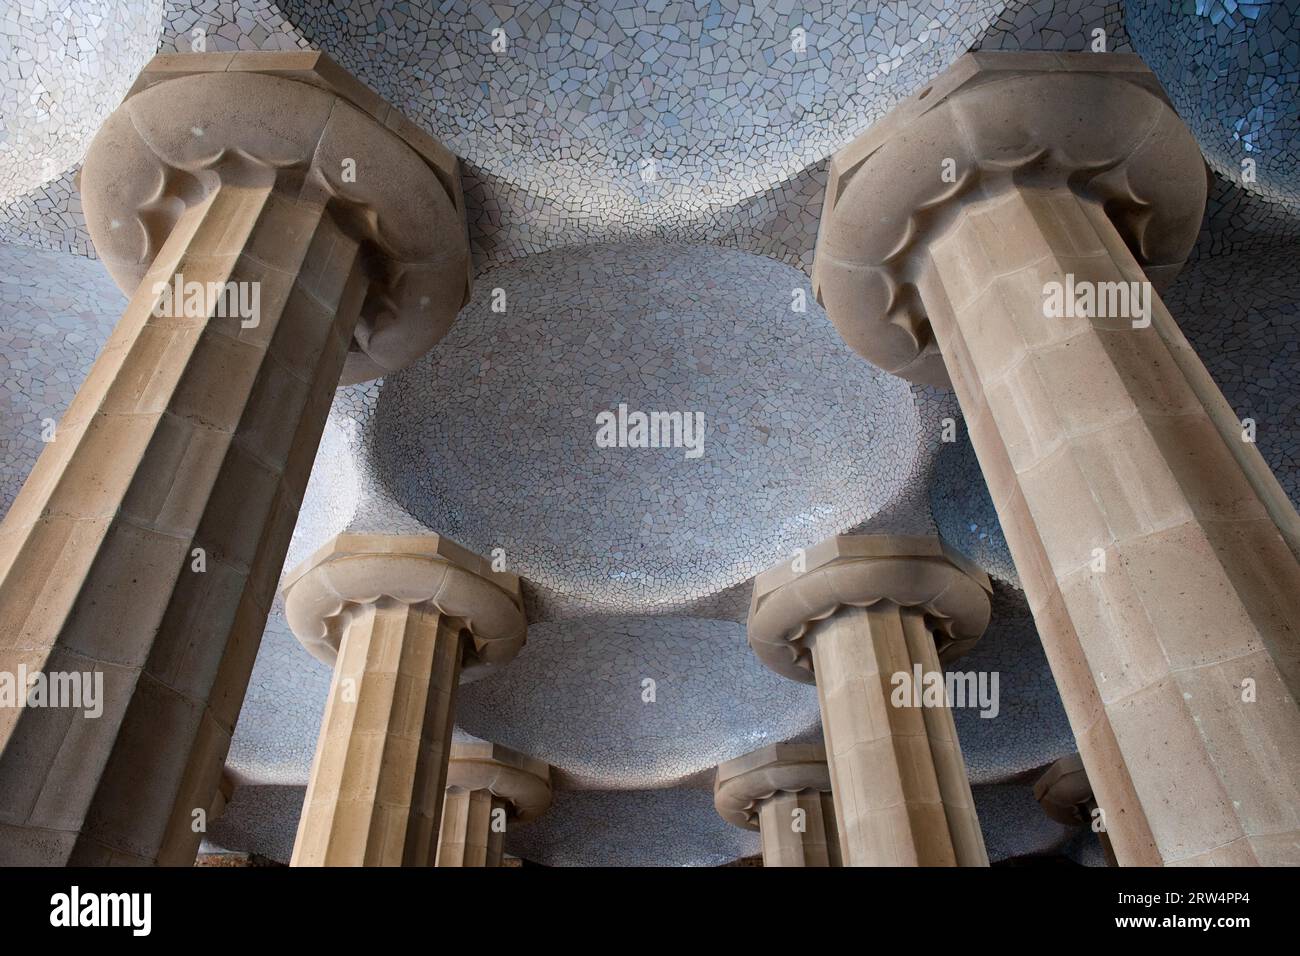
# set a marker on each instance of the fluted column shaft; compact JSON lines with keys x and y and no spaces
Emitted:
{"x":189,"y":433}
{"x":1143,"y":529}
{"x":376,"y":791}
{"x":798,"y":829}
{"x":473,"y":831}
{"x":860,"y":615}
{"x":400,"y":618}
{"x":901,"y":793}
{"x":278,"y":229}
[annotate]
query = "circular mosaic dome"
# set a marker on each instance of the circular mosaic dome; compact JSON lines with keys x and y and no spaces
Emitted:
{"x":779,"y":435}
{"x":630,"y":114}
{"x":65,"y":67}
{"x":1232,"y":70}
{"x":635,"y":703}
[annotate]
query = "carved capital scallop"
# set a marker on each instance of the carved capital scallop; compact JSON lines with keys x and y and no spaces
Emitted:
{"x":862,"y":571}
{"x":354,"y":570}
{"x":1064,"y":792}
{"x":1098,"y":124}
{"x":743,"y":784}
{"x":522,"y":782}
{"x":298,"y":124}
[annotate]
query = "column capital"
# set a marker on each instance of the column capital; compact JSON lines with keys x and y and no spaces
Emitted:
{"x":522,"y":782}
{"x":195,"y":122}
{"x":1098,"y":124}
{"x":742,"y":784}
{"x":358,"y":569}
{"x":852,"y":570}
{"x":1063,"y":791}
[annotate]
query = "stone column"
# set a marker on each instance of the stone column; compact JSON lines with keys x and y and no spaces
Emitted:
{"x":784,"y":792}
{"x":221,"y":798}
{"x":864,"y":616}
{"x":488,"y":788}
{"x":400,"y":618}
{"x":1004,"y":229}
{"x":147,"y":541}
{"x":1064,"y":793}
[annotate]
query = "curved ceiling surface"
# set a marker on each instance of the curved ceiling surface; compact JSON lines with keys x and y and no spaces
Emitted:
{"x":637,"y":703}
{"x":496,"y":438}
{"x":627,"y":116}
{"x":65,"y":67}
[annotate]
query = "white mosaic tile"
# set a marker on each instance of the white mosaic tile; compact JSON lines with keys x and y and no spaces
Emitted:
{"x":632,"y":119}
{"x":675,"y":827}
{"x":66,"y":64}
{"x":636,"y":703}
{"x":491,"y":438}
{"x":56,"y":311}
{"x":1232,"y":70}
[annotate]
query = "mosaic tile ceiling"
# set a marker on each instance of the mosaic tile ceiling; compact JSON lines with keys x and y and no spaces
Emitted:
{"x":632,"y":828}
{"x":491,"y":438}
{"x":1232,"y":70}
{"x":66,"y":64}
{"x":1241,"y":312}
{"x":631,"y":703}
{"x":636,"y":117}
{"x":56,"y":311}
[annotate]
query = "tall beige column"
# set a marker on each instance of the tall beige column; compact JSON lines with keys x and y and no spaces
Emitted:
{"x":279,"y":229}
{"x":488,"y":788}
{"x":863,"y":616}
{"x":999,"y":230}
{"x":784,"y":792}
{"x":400,"y":618}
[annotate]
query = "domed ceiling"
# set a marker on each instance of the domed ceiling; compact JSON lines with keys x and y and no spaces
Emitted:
{"x":635,"y":703}
{"x":492,"y":438}
{"x":627,"y":117}
{"x":644,"y":180}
